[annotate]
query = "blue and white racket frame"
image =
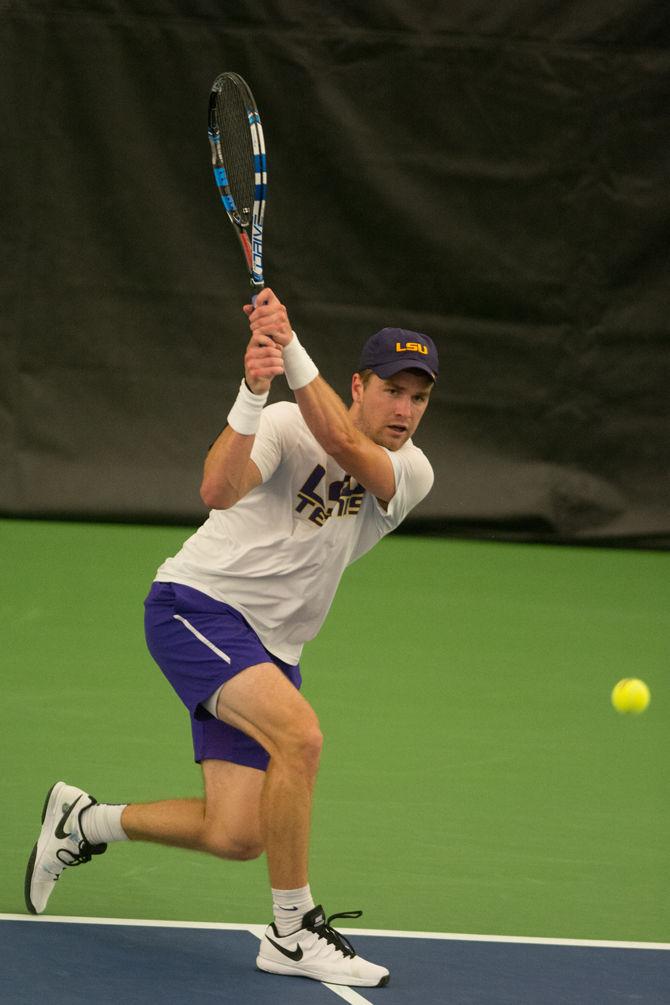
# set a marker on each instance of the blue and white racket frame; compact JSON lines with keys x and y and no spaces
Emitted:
{"x":249,"y":229}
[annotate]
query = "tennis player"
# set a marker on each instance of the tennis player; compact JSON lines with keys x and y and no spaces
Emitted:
{"x":297,"y":492}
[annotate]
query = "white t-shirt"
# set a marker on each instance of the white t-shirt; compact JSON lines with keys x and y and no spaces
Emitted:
{"x":277,"y":555}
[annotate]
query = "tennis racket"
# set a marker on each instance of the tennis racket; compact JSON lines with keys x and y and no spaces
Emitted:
{"x":238,"y":160}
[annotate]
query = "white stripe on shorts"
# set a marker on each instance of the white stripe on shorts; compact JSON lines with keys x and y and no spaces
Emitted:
{"x":201,"y":637}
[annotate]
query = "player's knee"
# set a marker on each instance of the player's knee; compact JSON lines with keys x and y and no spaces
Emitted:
{"x":244,"y":850}
{"x":314,"y":745}
{"x":305,"y":744}
{"x":236,"y":847}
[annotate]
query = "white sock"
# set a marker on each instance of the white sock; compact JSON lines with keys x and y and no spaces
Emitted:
{"x":289,"y":907}
{"x":101,"y":823}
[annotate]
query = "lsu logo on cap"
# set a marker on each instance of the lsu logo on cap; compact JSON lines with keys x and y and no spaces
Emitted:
{"x":412,"y":347}
{"x":393,"y":349}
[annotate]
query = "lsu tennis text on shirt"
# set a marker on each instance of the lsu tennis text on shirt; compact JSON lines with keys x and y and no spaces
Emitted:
{"x":345,"y":497}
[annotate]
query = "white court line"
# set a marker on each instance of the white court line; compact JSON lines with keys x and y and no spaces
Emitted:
{"x":524,"y":939}
{"x":140,"y":922}
{"x":385,"y":933}
{"x":348,"y":994}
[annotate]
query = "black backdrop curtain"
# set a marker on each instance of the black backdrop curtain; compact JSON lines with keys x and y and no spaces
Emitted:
{"x":493,"y":174}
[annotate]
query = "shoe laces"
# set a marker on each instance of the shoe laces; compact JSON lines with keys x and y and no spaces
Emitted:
{"x":336,"y":939}
{"x":83,"y":854}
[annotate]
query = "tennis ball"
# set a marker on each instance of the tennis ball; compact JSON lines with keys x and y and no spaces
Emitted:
{"x":630,"y":696}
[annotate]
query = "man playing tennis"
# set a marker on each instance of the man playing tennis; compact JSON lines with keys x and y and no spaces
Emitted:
{"x":297,"y":492}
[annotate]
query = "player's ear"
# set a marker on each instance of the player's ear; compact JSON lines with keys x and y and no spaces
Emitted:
{"x":356,"y":387}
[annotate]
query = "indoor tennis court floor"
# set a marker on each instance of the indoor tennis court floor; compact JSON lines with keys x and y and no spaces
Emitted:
{"x":498,"y":792}
{"x":59,"y":961}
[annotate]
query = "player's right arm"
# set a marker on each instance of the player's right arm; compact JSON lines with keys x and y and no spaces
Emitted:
{"x":229,"y":472}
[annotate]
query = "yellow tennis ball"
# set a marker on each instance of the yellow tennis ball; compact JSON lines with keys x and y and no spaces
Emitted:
{"x":631,"y":696}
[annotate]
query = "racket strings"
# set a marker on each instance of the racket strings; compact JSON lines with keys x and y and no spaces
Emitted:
{"x":237,"y":148}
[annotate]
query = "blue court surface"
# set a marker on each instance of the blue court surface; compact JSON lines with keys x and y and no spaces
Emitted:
{"x":64,"y":960}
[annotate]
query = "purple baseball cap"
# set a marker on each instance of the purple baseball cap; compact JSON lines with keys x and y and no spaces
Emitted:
{"x":394,"y":349}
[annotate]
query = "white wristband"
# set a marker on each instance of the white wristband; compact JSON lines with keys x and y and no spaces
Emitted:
{"x":245,"y":415}
{"x":299,"y":367}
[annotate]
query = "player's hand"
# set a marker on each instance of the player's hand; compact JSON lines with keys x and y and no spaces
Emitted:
{"x":269,"y":318}
{"x":262,"y":363}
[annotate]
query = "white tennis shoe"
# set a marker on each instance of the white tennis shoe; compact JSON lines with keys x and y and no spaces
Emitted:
{"x":319,"y":952}
{"x":61,"y":843}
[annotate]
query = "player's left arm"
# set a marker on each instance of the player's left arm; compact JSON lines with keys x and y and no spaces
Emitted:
{"x":330,"y":423}
{"x":325,"y":413}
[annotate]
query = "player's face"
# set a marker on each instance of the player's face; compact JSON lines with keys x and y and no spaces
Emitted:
{"x":389,"y":411}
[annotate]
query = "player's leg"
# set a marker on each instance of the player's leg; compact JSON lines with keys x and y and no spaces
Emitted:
{"x":244,"y":808}
{"x":261,"y":702}
{"x":185,"y":634}
{"x":226,"y":823}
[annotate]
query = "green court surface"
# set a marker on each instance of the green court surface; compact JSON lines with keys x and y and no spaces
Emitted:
{"x":475,"y":777}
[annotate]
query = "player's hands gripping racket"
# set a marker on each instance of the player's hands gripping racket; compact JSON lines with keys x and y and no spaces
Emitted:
{"x":238,"y":160}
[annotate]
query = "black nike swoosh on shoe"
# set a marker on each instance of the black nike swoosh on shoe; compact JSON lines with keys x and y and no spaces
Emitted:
{"x":59,"y":832}
{"x":293,"y":954}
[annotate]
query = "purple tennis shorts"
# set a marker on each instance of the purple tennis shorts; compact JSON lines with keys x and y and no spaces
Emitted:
{"x":200,"y":643}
